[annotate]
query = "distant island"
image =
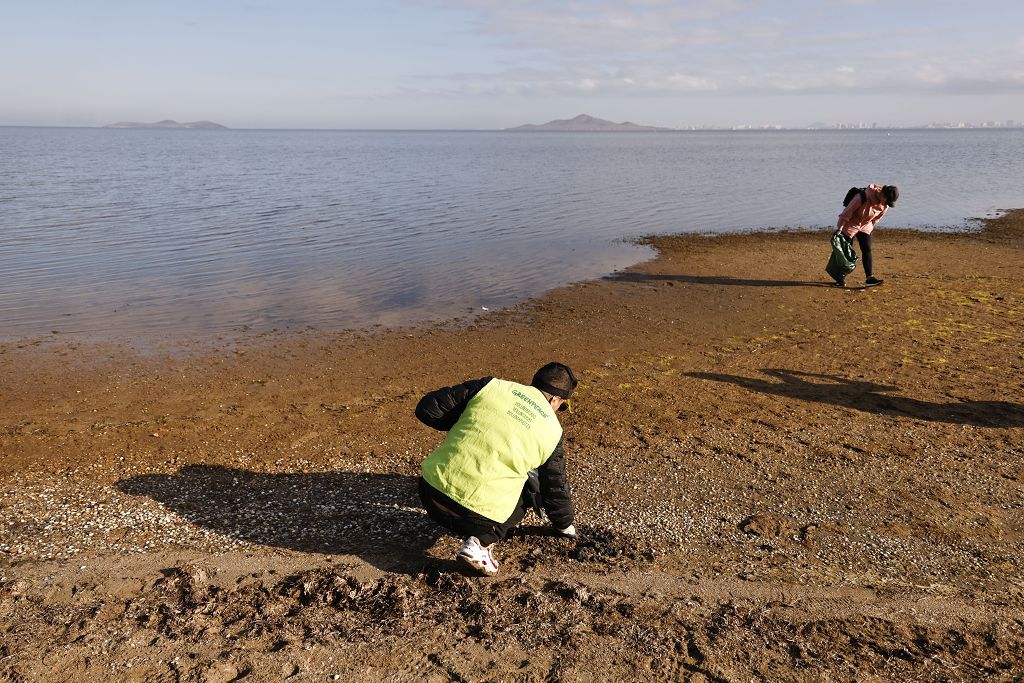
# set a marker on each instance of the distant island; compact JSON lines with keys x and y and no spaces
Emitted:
{"x":585,"y":122}
{"x":166,"y":124}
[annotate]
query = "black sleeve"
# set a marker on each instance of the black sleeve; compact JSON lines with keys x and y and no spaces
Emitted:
{"x":555,"y":491}
{"x":441,"y":409}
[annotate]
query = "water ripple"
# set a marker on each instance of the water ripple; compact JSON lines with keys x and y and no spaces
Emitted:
{"x":158,"y":233}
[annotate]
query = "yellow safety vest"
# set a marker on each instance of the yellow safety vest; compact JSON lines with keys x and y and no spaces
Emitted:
{"x":506,"y":430}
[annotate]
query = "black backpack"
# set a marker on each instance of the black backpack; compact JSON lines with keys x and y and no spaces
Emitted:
{"x":853,"y":192}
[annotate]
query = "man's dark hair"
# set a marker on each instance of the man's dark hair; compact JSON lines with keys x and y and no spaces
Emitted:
{"x":891,"y":194}
{"x":556,"y":379}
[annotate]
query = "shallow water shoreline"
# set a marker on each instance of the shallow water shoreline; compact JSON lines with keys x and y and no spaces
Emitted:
{"x":178,"y":343}
{"x":188,"y":235}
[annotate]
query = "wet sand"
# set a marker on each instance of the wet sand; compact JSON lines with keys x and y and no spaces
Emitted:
{"x":775,"y":479}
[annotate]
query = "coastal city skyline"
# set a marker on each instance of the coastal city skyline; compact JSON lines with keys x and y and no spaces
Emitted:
{"x":478,"y":64}
{"x":874,"y":125}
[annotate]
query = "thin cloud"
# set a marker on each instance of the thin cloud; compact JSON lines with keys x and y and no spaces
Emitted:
{"x":657,"y":47}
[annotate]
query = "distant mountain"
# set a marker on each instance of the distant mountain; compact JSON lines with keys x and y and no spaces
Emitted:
{"x":585,"y":122}
{"x":165,"y":124}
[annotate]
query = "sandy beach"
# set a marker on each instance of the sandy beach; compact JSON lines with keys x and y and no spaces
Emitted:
{"x":775,"y":479}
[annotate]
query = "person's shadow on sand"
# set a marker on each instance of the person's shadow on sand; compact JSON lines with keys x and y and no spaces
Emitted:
{"x":374,"y":516}
{"x":711,"y":280}
{"x":867,"y":396}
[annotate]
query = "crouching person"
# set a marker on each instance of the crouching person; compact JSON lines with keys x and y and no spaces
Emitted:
{"x":475,"y":483}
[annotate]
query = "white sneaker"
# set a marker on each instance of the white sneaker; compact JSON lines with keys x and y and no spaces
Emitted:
{"x":478,"y":557}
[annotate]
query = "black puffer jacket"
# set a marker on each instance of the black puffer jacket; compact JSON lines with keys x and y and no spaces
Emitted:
{"x":441,"y":409}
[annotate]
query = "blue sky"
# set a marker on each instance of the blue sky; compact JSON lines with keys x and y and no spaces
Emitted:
{"x":491,"y":64}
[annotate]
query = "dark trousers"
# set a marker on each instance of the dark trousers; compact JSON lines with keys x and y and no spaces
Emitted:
{"x":464,"y":522}
{"x":864,"y":240}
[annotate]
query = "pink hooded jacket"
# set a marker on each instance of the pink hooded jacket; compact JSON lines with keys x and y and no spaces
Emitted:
{"x":861,"y":216}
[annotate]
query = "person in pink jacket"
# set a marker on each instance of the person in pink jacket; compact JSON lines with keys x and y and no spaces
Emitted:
{"x":861,"y":216}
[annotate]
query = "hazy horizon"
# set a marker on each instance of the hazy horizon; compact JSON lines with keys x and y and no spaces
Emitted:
{"x":827,"y":128}
{"x":480,"y":64}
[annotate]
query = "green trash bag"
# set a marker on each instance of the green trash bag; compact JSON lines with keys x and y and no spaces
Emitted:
{"x":843,"y":259}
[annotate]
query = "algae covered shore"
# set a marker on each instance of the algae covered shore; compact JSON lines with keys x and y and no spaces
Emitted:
{"x":775,"y":480}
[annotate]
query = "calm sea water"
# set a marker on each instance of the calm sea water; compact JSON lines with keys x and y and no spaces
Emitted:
{"x":178,"y":233}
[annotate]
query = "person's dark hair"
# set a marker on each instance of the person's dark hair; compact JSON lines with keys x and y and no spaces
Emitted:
{"x":891,"y":194}
{"x":556,"y":379}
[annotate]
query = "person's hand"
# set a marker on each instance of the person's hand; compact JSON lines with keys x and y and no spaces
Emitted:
{"x":569,"y":531}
